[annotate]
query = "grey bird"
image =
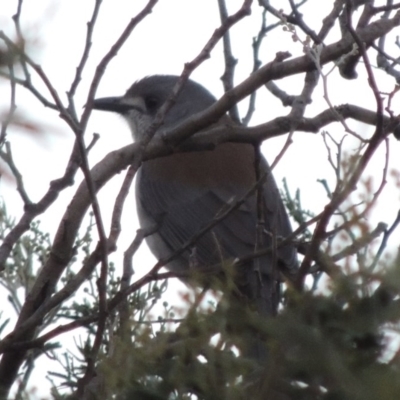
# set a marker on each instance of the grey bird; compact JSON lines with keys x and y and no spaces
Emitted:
{"x":184,"y":192}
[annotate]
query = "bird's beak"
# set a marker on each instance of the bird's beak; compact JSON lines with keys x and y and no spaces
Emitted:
{"x":114,"y":104}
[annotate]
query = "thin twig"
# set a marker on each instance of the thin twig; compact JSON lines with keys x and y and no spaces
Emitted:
{"x":8,"y":158}
{"x":230,"y":61}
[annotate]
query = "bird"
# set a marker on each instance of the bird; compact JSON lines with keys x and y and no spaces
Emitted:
{"x":186,"y":191}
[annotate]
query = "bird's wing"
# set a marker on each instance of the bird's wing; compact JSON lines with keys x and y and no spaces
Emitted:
{"x":186,"y":192}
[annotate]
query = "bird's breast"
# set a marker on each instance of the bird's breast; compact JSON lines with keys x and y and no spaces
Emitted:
{"x":229,"y":165}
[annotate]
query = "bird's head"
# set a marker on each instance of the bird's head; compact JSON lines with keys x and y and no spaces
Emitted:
{"x":139,"y":105}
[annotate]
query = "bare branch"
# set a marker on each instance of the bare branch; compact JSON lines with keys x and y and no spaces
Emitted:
{"x":230,"y":62}
{"x":8,"y":158}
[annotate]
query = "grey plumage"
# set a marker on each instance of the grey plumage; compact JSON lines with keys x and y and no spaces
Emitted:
{"x":185,"y":191}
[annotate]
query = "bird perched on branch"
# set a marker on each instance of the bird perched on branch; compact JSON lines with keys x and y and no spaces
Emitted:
{"x":185,"y":192}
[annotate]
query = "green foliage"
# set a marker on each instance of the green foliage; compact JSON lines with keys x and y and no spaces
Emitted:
{"x":321,"y":346}
{"x":332,"y":343}
{"x":28,"y":254}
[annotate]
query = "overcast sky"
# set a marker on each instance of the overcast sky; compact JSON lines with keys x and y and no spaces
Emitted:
{"x":173,"y":34}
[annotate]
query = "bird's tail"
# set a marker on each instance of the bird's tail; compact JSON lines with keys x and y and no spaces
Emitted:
{"x":258,"y":295}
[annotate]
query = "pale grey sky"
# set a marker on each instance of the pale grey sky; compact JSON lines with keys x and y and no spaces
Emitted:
{"x":173,"y":34}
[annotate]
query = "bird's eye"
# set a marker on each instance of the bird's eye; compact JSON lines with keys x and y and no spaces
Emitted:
{"x":152,"y":104}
